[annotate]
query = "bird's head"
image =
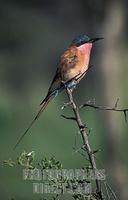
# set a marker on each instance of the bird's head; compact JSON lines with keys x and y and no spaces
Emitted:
{"x":84,"y":39}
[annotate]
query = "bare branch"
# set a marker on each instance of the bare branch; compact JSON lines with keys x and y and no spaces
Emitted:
{"x":107,"y":108}
{"x":86,"y":146}
{"x":71,"y":118}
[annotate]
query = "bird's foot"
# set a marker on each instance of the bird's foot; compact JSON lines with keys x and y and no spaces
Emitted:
{"x":66,"y":105}
{"x":69,"y":84}
{"x":72,"y":85}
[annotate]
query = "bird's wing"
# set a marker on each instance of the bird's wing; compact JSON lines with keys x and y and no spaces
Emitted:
{"x":56,"y":82}
{"x":55,"y":86}
{"x":69,"y":59}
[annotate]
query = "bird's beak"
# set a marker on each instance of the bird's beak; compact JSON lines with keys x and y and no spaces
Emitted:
{"x":95,"y":39}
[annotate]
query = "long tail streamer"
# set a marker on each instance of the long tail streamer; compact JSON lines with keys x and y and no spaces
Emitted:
{"x":43,"y":106}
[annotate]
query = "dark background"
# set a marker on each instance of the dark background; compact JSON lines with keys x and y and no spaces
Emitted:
{"x":33,"y":35}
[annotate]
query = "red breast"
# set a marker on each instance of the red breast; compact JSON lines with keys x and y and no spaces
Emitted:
{"x":84,"y":56}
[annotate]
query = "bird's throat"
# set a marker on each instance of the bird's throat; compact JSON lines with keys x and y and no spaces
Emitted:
{"x":85,"y":48}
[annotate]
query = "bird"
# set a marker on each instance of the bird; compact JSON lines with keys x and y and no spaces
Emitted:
{"x":73,"y":66}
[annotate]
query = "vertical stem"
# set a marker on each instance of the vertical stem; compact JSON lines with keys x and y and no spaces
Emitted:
{"x":86,"y":144}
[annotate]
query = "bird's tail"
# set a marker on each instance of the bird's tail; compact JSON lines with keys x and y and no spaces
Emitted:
{"x":44,"y":104}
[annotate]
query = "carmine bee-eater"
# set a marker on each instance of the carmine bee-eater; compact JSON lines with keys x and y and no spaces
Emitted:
{"x":72,"y":67}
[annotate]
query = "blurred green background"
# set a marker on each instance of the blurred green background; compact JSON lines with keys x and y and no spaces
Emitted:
{"x":33,"y":35}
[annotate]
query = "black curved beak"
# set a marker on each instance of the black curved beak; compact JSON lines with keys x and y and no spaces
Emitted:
{"x":95,"y":39}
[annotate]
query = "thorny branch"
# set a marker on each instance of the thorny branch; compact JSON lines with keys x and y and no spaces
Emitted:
{"x":86,"y":146}
{"x":84,"y":134}
{"x":107,"y":108}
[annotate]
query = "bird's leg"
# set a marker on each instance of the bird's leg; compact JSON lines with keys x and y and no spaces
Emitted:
{"x":72,"y":86}
{"x":69,"y":84}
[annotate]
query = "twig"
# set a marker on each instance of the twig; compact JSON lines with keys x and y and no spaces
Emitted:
{"x":71,"y":118}
{"x":107,"y":108}
{"x":86,"y":144}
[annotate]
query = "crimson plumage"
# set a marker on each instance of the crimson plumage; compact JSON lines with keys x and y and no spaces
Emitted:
{"x":73,"y":63}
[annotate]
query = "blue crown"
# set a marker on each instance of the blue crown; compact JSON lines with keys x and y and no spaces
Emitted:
{"x":81,"y":39}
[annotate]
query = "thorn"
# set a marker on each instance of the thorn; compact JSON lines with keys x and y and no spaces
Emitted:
{"x":95,"y":151}
{"x":89,"y":130}
{"x":125,"y":115}
{"x":116,"y":103}
{"x":71,"y":118}
{"x":83,"y":147}
{"x":65,"y":105}
{"x":89,"y":101}
{"x":77,"y":150}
